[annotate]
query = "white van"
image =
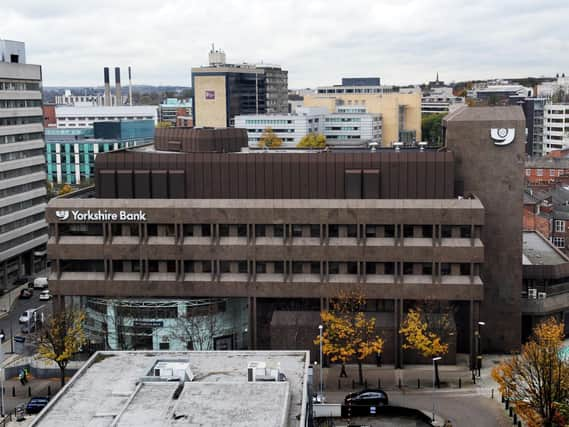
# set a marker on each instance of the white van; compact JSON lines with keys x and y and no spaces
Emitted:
{"x":27,"y":316}
{"x":40,"y":283}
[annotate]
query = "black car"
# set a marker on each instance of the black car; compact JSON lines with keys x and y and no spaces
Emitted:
{"x":25,"y":294}
{"x":36,"y":404}
{"x":368,"y":397}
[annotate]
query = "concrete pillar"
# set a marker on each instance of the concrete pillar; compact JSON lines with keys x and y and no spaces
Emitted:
{"x":112,"y":336}
{"x":252,"y":323}
{"x":397,"y":342}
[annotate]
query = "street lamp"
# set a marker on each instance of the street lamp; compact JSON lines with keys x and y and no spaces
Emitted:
{"x":479,"y":353}
{"x":320,"y":327}
{"x":435,"y":359}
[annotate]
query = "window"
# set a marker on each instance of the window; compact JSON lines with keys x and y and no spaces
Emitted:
{"x":464,"y":269}
{"x":559,"y":226}
{"x":445,"y":269}
{"x":279,"y":267}
{"x":352,"y":267}
{"x":333,"y":267}
{"x":559,"y":242}
{"x":315,"y":230}
{"x":371,"y":231}
{"x":465,"y":231}
{"x":539,"y":172}
{"x":296,"y":230}
{"x":389,"y":230}
{"x":297,"y":267}
{"x":278,"y":230}
{"x":427,"y":268}
{"x":242,"y":230}
{"x":260,"y":230}
{"x":407,"y":268}
{"x":551,"y":172}
{"x":260,"y":267}
{"x":352,"y":230}
{"x":333,"y":230}
{"x":371,"y":268}
{"x":315,"y":267}
{"x":407,"y":230}
{"x":427,"y":231}
{"x":446,"y":231}
{"x":242,"y":267}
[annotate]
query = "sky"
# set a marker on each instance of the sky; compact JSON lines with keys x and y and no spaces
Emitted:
{"x":318,"y":42}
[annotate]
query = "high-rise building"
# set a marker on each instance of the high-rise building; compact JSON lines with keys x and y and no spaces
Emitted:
{"x":193,"y":220}
{"x":23,"y":230}
{"x":223,"y":91}
{"x":555,"y":127}
{"x":400,"y":112}
{"x":534,"y":111}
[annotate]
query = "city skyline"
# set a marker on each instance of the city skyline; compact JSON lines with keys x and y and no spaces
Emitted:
{"x":406,"y":43}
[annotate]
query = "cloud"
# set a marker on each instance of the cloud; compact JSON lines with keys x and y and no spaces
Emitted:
{"x":404,"y":42}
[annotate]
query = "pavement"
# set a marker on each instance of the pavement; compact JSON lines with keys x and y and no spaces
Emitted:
{"x":459,"y":400}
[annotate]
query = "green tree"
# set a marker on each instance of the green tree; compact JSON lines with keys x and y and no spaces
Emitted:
{"x":312,"y":140}
{"x":432,"y":128}
{"x":348,"y":334}
{"x":269,"y":139}
{"x":61,"y":338}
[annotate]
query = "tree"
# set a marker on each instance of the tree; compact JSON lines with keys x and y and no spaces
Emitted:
{"x":163,"y":124}
{"x":65,"y":188}
{"x":426,"y":329}
{"x":537,"y":380}
{"x":431,"y":128}
{"x":200,"y":324}
{"x":61,"y":338}
{"x":269,"y":139}
{"x":312,"y":140}
{"x":348,"y":334}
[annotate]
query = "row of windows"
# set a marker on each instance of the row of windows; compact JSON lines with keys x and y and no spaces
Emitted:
{"x":21,"y":171}
{"x":21,"y":222}
{"x":342,"y":119}
{"x":22,"y":239}
{"x":273,"y":230}
{"x":558,"y":241}
{"x":12,"y":121}
{"x":21,"y":188}
{"x":336,"y":128}
{"x":272,"y":267}
{"x":105,"y":118}
{"x":20,"y":103}
{"x":21,"y":137}
{"x":21,"y":205}
{"x":18,"y":155}
{"x":551,"y":172}
{"x":15,"y":85}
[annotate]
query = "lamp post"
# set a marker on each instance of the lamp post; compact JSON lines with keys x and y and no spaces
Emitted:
{"x":320,"y":327}
{"x":434,"y":379}
{"x":479,"y":353}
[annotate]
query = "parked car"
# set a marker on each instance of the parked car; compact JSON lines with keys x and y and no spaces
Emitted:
{"x":368,"y":397}
{"x":40,"y":283}
{"x":45,"y":295}
{"x":27,"y":316}
{"x":36,"y":404}
{"x":27,"y":329}
{"x":25,"y":294}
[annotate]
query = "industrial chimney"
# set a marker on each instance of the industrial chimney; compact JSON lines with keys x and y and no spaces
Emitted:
{"x":129,"y":86}
{"x":118,"y":94}
{"x":107,"y":98}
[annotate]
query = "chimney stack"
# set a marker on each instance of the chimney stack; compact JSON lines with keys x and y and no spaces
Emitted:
{"x":107,"y":98}
{"x":129,"y":86}
{"x":118,"y":94}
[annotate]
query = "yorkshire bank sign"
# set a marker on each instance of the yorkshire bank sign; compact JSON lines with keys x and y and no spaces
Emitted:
{"x":100,"y":215}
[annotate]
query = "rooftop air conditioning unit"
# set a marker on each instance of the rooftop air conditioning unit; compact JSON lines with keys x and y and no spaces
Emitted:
{"x":532,"y":293}
{"x":541,"y":295}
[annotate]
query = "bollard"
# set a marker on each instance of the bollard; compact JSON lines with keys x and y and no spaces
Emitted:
{"x":503,"y":399}
{"x":519,"y":423}
{"x":511,"y":411}
{"x":365,"y":383}
{"x":49,"y":388}
{"x":13,"y":391}
{"x":515,"y":419}
{"x":492,"y":394}
{"x":418,"y":383}
{"x":460,"y":383}
{"x":378,"y":383}
{"x":399,"y":383}
{"x":507,"y":404}
{"x":353,"y":384}
{"x":29,"y":391}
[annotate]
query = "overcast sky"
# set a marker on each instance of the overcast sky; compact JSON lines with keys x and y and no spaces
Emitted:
{"x":318,"y":42}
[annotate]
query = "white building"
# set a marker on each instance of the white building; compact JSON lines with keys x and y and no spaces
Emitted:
{"x":85,"y":100}
{"x":23,"y":230}
{"x":348,"y":126}
{"x":191,"y":388}
{"x":548,"y":89}
{"x":73,"y":117}
{"x":555,"y":127}
{"x":440,"y":100}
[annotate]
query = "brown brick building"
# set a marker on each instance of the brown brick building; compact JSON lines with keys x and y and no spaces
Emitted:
{"x":276,"y":235}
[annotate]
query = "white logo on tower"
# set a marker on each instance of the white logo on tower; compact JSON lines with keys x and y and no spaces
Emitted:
{"x":502,"y":136}
{"x":62,"y":215}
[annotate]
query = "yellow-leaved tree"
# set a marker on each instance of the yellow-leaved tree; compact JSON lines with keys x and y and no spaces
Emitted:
{"x":425,"y":330}
{"x":269,"y":139}
{"x":312,"y":140}
{"x":65,"y":188}
{"x":348,"y":333}
{"x":537,"y":380}
{"x":61,"y":337}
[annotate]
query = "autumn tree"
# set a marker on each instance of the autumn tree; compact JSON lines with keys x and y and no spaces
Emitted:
{"x":537,"y":380}
{"x":163,"y":124}
{"x":348,"y":333}
{"x":312,"y":140}
{"x":426,"y":330}
{"x":269,"y":139}
{"x":61,"y":338}
{"x":65,"y":188}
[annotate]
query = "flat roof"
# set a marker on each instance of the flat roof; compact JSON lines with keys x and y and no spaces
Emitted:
{"x":537,"y":250}
{"x":114,"y":388}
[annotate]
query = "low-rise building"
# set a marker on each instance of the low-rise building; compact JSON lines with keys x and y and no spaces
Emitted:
{"x":242,"y":389}
{"x":439,"y":100}
{"x":77,"y":117}
{"x":349,"y":126}
{"x":172,"y":108}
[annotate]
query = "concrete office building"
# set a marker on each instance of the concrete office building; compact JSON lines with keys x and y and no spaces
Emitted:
{"x":190,"y":388}
{"x":74,"y":117}
{"x":71,"y":152}
{"x":341,"y":128}
{"x":400,"y":112}
{"x":555,"y":127}
{"x":534,"y":111}
{"x":439,"y":100}
{"x":192,"y":217}
{"x":172,"y":108}
{"x":23,"y":230}
{"x":223,"y":91}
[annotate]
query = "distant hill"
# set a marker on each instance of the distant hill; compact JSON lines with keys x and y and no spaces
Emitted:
{"x":141,"y":94}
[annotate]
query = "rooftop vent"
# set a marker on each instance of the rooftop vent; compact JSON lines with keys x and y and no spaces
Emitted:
{"x":170,"y":370}
{"x":262,"y":371}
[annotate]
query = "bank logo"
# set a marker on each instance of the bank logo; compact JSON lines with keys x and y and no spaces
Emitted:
{"x":62,"y":215}
{"x":502,"y":136}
